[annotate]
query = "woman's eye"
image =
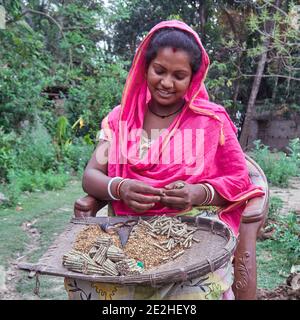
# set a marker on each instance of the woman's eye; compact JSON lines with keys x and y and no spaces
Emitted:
{"x":179,"y":77}
{"x":159,"y":71}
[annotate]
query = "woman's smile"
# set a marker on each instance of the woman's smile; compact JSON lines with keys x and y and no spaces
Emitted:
{"x":164,"y":93}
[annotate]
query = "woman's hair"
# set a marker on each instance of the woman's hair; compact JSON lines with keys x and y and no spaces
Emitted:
{"x":174,"y":38}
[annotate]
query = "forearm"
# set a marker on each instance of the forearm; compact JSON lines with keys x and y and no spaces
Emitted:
{"x":95,"y":182}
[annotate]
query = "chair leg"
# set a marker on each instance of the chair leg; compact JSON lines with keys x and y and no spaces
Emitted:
{"x":245,"y":277}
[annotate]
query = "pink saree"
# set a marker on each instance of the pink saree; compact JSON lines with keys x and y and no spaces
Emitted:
{"x":199,"y":146}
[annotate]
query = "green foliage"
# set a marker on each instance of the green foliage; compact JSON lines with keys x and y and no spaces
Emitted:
{"x":30,"y":164}
{"x":276,"y":255}
{"x":276,"y":205}
{"x":272,"y":264}
{"x":277,"y":166}
{"x":283,"y":51}
{"x":49,"y":212}
{"x":7,"y":156}
{"x":37,"y":152}
{"x":26,"y":180}
{"x":54,"y":46}
{"x":12,"y":194}
{"x":34,"y":166}
{"x":294,"y":149}
{"x":13,"y":7}
{"x":93,"y":98}
{"x":61,"y":130}
{"x":287,"y":232}
{"x":83,"y":49}
{"x":77,"y":154}
{"x":23,"y":74}
{"x":220,"y":85}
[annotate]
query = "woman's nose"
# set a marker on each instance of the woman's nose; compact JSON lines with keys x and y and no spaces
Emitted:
{"x":167,"y":82}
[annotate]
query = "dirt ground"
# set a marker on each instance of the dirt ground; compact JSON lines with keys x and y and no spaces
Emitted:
{"x":290,"y":196}
{"x":12,"y":275}
{"x":287,"y":291}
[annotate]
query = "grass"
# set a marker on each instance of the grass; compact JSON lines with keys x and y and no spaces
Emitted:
{"x":51,"y":211}
{"x":276,"y":256}
{"x":273,"y":265}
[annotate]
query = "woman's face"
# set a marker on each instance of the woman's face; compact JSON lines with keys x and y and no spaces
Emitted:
{"x":169,"y":75}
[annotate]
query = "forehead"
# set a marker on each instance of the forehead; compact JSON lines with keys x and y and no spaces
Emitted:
{"x":173,"y":58}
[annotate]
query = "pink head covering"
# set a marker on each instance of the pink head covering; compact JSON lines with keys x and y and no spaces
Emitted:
{"x":221,"y":164}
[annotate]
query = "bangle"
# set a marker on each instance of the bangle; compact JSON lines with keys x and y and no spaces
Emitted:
{"x":109,"y":185}
{"x":207,"y":195}
{"x":119,"y":187}
{"x":212,"y":192}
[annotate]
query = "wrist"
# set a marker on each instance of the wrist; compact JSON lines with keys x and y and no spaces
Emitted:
{"x":119,"y":186}
{"x":112,"y":188}
{"x":198,"y":194}
{"x":203,"y":194}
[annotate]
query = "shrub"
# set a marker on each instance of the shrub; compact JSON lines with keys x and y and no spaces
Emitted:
{"x":11,"y":193}
{"x":77,"y":154}
{"x":276,"y":205}
{"x":287,"y":232}
{"x":37,"y":152}
{"x":294,"y":149}
{"x":55,"y":181}
{"x":277,"y":166}
{"x":25,"y":180}
{"x":8,"y":142}
{"x":94,"y":97}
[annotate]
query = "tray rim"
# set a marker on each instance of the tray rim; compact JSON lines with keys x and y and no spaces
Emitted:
{"x":177,"y":274}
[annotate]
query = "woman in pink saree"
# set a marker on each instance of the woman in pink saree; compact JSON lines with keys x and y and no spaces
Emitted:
{"x":166,"y":149}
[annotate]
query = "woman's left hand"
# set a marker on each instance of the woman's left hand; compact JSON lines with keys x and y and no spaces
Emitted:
{"x":179,"y":195}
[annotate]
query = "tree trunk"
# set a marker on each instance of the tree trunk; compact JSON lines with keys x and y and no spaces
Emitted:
{"x":252,"y":99}
{"x":202,"y":17}
{"x":244,"y":138}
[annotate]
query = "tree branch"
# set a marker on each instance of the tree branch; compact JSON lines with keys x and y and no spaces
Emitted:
{"x":274,"y":6}
{"x":281,"y":42}
{"x":267,"y":76}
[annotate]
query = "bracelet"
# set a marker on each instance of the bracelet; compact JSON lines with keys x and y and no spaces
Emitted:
{"x":207,"y":195}
{"x":119,"y":187}
{"x":109,"y":185}
{"x":212,"y":192}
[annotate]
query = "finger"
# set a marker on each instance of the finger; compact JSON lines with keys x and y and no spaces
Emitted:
{"x":173,"y":206}
{"x":148,"y":190}
{"x":169,"y":186}
{"x":144,"y":198}
{"x":176,"y":192}
{"x":174,"y":201}
{"x":140,"y":207}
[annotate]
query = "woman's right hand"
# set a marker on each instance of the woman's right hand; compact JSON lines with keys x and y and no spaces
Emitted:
{"x":139,"y":196}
